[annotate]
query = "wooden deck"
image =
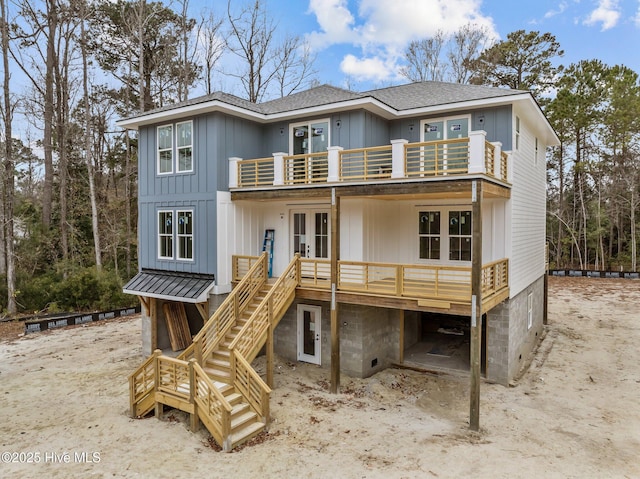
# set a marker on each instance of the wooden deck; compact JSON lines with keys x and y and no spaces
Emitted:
{"x":444,"y":289}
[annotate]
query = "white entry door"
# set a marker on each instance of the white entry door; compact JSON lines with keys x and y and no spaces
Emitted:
{"x":309,"y":323}
{"x":311,"y":234}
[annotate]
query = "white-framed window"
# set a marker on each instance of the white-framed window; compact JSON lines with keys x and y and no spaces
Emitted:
{"x":185,"y":234}
{"x":165,"y":149}
{"x":178,"y":149}
{"x":429,"y":234}
{"x":165,"y":234}
{"x":444,"y":233}
{"x":175,"y":227}
{"x":184,"y":146}
{"x":460,"y":235}
{"x":529,"y":310}
{"x":517,"y":132}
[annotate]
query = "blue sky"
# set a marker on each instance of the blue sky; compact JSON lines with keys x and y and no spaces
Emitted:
{"x":359,"y":43}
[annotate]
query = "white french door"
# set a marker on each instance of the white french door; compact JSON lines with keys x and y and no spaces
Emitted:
{"x":310,"y":233}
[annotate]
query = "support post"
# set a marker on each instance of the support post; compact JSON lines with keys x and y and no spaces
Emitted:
{"x":398,"y":160}
{"x":476,"y":305}
{"x":333,"y":163}
{"x":401,"y":355}
{"x":278,"y":168}
{"x":153,"y":316}
{"x":335,"y":256}
{"x":194,"y":421}
{"x":477,"y":151}
{"x":269,"y":347}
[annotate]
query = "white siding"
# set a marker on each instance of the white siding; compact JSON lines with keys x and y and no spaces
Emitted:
{"x":527,"y":210}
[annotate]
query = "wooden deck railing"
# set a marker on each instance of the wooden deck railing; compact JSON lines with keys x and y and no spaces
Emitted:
{"x":366,"y":163}
{"x":448,"y":283}
{"x":256,"y":172}
{"x":142,"y":386}
{"x":172,"y":377}
{"x":379,"y":163}
{"x":495,"y":277}
{"x":249,"y":383}
{"x":306,"y":169}
{"x":437,"y":158}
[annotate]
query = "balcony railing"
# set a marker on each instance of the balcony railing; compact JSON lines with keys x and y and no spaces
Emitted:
{"x":401,"y":159}
{"x":408,"y":281}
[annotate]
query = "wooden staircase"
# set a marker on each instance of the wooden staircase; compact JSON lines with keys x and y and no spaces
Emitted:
{"x":245,"y":423}
{"x":213,"y":379}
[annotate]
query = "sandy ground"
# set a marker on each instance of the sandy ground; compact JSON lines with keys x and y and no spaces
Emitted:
{"x":573,"y":414}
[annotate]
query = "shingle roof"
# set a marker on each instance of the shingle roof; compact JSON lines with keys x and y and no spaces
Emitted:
{"x":183,"y":287}
{"x":425,"y":94}
{"x":401,"y":97}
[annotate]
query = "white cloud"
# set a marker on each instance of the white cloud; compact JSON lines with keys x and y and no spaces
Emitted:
{"x":636,"y":19}
{"x":607,"y":13}
{"x":381,"y":29}
{"x":375,"y":68}
{"x":552,"y":13}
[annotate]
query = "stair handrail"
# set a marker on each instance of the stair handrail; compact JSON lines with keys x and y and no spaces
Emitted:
{"x":244,"y":347}
{"x":249,"y":383}
{"x":286,"y":283}
{"x":212,"y":407}
{"x":226,"y":315}
{"x":142,"y":383}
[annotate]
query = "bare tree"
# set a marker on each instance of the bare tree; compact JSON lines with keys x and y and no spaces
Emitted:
{"x":88,"y":149}
{"x":295,"y":65}
{"x":211,"y":46}
{"x":8,"y":187}
{"x":423,"y":59}
{"x":252,"y":36}
{"x":465,"y":45}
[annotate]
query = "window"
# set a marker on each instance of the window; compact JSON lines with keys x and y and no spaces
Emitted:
{"x":517,"y":132}
{"x":429,"y":233}
{"x":183,"y":155}
{"x":165,"y":234}
{"x":165,"y":149}
{"x":184,"y":146}
{"x":185,"y":234}
{"x":460,"y":235}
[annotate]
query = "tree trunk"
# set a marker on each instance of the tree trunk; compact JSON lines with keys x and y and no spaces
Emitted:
{"x":47,"y":192}
{"x":88,"y":148}
{"x":8,"y":167}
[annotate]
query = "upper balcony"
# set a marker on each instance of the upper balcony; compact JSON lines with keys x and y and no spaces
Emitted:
{"x":399,"y":161}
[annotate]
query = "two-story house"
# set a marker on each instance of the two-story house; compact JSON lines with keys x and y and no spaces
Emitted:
{"x":390,"y":219}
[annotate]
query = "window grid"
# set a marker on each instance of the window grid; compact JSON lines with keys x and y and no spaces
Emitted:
{"x":165,"y":149}
{"x":185,"y":234}
{"x":460,"y":235}
{"x":165,"y":234}
{"x":184,"y":142}
{"x":429,"y":234}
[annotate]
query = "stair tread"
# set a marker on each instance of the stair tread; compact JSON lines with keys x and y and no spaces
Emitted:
{"x":243,"y":418}
{"x":238,"y":409}
{"x":246,"y":433}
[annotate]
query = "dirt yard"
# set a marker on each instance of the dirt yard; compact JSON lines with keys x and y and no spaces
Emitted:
{"x":574,"y":414}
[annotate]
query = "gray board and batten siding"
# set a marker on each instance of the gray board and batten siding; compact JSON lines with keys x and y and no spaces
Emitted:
{"x":218,"y":136}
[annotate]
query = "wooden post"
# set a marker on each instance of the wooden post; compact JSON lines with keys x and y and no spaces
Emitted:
{"x":476,"y":304}
{"x":159,"y":408}
{"x":335,"y":257}
{"x":194,"y":422}
{"x":269,"y":346}
{"x":401,"y":356}
{"x":153,"y":316}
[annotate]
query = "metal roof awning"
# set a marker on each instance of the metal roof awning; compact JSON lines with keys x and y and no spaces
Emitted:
{"x":171,"y":286}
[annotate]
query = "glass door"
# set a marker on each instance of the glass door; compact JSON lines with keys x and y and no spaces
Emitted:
{"x":311,"y":234}
{"x":309,"y":328}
